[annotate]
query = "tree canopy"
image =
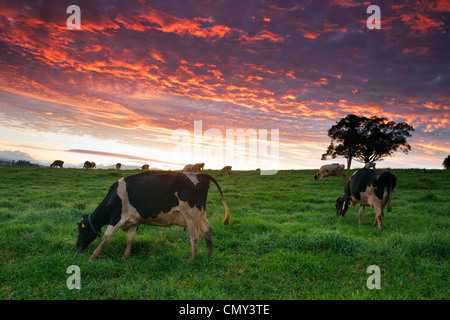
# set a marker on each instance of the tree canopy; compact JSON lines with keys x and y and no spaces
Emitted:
{"x":446,"y":162}
{"x":367,"y":139}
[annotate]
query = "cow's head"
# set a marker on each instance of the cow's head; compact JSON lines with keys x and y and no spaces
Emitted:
{"x":86,"y":233}
{"x":316,"y":177}
{"x":341,"y":206}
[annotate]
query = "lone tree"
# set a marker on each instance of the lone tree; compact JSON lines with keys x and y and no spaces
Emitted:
{"x":446,"y":162}
{"x":367,"y":139}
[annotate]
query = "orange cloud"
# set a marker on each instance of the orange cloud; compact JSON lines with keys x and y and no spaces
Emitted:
{"x":309,"y":35}
{"x":432,"y":147}
{"x":291,"y":74}
{"x":333,"y":27}
{"x":263,"y":35}
{"x":416,"y":50}
{"x":439,"y":5}
{"x":197,"y":27}
{"x":347,"y":3}
{"x":423,"y":23}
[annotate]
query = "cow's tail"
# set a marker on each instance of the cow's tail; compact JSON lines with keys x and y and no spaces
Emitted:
{"x":226,"y":220}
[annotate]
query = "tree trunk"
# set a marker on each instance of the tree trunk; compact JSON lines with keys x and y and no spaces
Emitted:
{"x":349,"y":158}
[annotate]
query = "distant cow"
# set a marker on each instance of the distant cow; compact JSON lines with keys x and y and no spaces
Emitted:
{"x":369,"y":188}
{"x":89,"y":165}
{"x":369,"y":165}
{"x":145,"y":167}
{"x":57,"y":163}
{"x":227,"y":168}
{"x":334,"y":169}
{"x":194,"y":167}
{"x":118,"y":166}
{"x":201,"y":166}
{"x":159,"y":199}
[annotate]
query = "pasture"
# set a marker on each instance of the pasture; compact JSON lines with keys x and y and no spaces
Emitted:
{"x":283,"y":242}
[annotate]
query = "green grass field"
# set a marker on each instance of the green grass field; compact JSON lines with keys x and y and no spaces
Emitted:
{"x":283,"y":242}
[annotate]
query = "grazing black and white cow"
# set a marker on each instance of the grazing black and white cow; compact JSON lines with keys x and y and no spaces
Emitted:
{"x":159,"y":199}
{"x":368,"y":187}
{"x":57,"y":163}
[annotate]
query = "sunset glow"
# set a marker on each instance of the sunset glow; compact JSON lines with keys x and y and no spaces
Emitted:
{"x":137,"y":71}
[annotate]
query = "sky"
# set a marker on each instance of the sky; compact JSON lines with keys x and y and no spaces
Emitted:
{"x":244,"y":83}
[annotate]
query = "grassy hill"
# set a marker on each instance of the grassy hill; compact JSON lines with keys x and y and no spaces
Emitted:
{"x":284,"y":240}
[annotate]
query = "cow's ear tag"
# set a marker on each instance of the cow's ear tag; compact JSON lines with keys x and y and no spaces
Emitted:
{"x":82,"y":226}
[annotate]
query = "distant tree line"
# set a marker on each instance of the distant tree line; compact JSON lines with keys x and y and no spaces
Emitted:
{"x":19,"y":163}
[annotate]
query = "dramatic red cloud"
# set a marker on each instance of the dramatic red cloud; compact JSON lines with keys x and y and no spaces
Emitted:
{"x":423,"y":23}
{"x":197,"y":27}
